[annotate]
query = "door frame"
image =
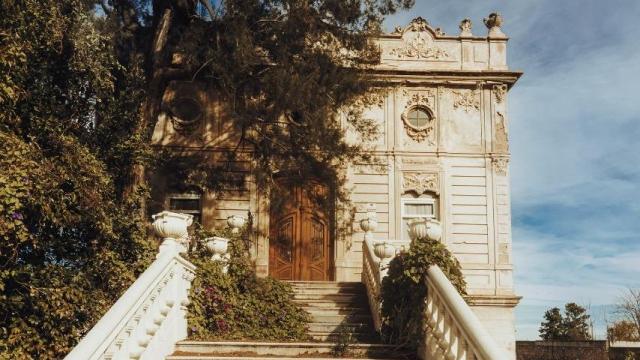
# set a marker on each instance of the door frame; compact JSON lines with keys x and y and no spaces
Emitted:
{"x":329,"y":214}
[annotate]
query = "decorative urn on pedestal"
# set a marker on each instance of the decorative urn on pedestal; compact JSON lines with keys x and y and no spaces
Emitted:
{"x":385,"y":251}
{"x":218,"y":247}
{"x":235,"y":222}
{"x":172,"y":228}
{"x":370,"y":223}
{"x":420,"y":229}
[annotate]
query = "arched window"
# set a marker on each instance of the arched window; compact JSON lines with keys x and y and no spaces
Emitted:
{"x":418,"y":117}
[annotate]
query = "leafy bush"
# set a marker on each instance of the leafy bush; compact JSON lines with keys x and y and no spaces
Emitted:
{"x":404,"y":290}
{"x":239,"y":305}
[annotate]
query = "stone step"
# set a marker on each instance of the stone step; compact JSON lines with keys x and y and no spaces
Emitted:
{"x":331,"y":297}
{"x":326,"y":284}
{"x":337,"y":319}
{"x":337,"y":311}
{"x":281,"y":350}
{"x":355,"y":337}
{"x":239,"y":357}
{"x":329,"y":328}
{"x":331,"y":304}
{"x":328,"y":291}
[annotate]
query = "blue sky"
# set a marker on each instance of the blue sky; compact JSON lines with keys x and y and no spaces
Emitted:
{"x":575,"y":142}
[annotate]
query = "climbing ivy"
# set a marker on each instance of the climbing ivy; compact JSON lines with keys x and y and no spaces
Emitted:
{"x":404,"y":290}
{"x":239,"y":305}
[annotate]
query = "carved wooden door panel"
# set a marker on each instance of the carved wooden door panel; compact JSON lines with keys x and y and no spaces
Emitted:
{"x":299,"y":240}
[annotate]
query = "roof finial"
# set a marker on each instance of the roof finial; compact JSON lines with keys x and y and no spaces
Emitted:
{"x":465,"y":27}
{"x":493,"y":23}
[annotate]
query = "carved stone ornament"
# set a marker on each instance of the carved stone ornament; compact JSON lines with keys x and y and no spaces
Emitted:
{"x":417,"y":24}
{"x":502,"y":135}
{"x":500,"y":92}
{"x":418,"y":42}
{"x":465,"y":27}
{"x":420,"y":182}
{"x":500,"y":165}
{"x":467,"y":99}
{"x":420,"y":101}
{"x":493,"y":22}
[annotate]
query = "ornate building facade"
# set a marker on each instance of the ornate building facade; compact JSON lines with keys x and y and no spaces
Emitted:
{"x":444,"y":125}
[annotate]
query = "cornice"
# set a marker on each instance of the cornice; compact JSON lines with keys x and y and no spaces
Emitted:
{"x":493,"y":300}
{"x":446,"y":77}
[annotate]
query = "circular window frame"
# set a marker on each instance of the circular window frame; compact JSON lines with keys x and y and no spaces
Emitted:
{"x":424,"y":109}
{"x":180,"y":124}
{"x":419,"y":133}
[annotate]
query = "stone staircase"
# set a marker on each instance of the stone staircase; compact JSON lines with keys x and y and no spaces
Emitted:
{"x":340,"y":319}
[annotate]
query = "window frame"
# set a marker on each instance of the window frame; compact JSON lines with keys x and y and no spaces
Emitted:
{"x":419,"y":109}
{"x":197,"y":214}
{"x":421,"y":200}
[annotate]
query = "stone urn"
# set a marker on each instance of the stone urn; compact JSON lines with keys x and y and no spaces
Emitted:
{"x":384,"y":250}
{"x":420,"y":229}
{"x":369,"y":225}
{"x":218,"y":247}
{"x":172,"y":228}
{"x":235,"y":222}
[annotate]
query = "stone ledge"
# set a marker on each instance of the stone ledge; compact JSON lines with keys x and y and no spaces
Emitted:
{"x":493,"y":300}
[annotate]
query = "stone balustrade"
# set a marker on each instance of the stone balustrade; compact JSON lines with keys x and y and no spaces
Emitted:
{"x":452,"y":330}
{"x":150,"y":317}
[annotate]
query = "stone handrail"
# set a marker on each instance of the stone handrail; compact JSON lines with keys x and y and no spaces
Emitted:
{"x":150,"y":317}
{"x":147,"y":320}
{"x":373,"y":270}
{"x":453,"y":330}
{"x":372,"y":281}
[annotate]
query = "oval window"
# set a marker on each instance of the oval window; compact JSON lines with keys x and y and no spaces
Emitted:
{"x":418,"y":118}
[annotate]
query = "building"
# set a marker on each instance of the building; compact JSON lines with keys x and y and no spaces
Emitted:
{"x":444,"y":123}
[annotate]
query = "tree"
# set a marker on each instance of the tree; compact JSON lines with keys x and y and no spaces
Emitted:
{"x":629,"y":309}
{"x":572,"y":326}
{"x":552,"y":327}
{"x":80,"y":90}
{"x":576,"y":322}
{"x":623,"y":330}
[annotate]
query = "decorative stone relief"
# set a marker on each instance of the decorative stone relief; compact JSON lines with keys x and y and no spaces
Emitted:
{"x":465,"y":27}
{"x":418,"y":161}
{"x":420,"y":182}
{"x":467,"y":99}
{"x":500,"y":165}
{"x":418,"y":42}
{"x":500,"y":92}
{"x":422,"y":100}
{"x":501,"y":137}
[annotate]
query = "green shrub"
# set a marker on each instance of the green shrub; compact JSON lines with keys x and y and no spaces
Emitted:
{"x":404,"y":290}
{"x":239,"y":305}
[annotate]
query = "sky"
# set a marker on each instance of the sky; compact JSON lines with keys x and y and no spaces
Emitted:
{"x":575,"y":143}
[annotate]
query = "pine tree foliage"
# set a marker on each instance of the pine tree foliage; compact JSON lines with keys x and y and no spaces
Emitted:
{"x":574,"y":325}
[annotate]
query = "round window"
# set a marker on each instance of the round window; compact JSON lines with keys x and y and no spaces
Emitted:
{"x":186,"y":109}
{"x":418,"y":118}
{"x":185,"y":113}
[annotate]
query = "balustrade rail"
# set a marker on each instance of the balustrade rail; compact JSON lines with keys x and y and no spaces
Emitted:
{"x":371,"y":280}
{"x":147,"y":320}
{"x":453,"y":331}
{"x":150,"y":317}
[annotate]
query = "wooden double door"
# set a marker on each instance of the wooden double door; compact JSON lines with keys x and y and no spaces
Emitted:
{"x":299,"y":239}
